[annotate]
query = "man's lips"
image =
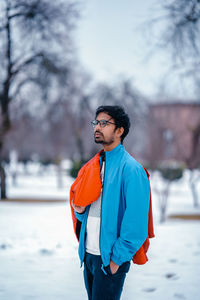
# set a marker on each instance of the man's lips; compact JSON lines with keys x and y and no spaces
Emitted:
{"x":97,"y":134}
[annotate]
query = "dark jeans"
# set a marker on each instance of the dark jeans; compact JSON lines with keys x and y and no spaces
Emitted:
{"x":100,"y":286}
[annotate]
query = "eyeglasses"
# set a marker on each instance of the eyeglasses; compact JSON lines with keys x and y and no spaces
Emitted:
{"x":102,"y":123}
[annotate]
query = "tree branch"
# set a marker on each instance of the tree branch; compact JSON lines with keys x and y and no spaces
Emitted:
{"x":21,"y":84}
{"x":25,"y":63}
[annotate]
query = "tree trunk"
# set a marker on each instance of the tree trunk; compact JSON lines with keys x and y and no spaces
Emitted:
{"x":80,"y":147}
{"x":59,"y":174}
{"x":163,"y":196}
{"x":192,"y":184}
{"x":4,"y":103}
{"x":5,"y":127}
{"x":3,"y":181}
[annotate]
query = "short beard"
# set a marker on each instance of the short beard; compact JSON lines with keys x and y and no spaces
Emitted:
{"x":104,"y":142}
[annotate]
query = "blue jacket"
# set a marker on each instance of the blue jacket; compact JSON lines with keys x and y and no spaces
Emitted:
{"x":124,"y":208}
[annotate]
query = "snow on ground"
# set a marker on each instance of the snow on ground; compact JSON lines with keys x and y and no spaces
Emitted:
{"x":39,"y":182}
{"x":39,"y":252}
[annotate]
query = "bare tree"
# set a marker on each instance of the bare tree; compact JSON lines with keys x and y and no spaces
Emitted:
{"x":61,"y":129}
{"x":35,"y":43}
{"x":177,"y":31}
{"x":163,"y":196}
{"x":182,"y":29}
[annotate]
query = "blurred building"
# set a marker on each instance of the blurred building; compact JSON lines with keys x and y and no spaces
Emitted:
{"x":174,"y":132}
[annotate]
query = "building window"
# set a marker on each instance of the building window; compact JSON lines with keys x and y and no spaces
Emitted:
{"x":168,"y":143}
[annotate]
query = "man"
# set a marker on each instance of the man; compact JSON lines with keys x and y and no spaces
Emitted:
{"x":110,"y":202}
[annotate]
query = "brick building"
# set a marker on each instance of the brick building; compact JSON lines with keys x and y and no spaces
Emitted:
{"x":174,"y":132}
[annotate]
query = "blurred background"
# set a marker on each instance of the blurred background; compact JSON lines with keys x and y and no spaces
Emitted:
{"x":59,"y":61}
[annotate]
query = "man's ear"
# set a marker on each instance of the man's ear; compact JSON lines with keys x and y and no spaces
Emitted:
{"x":120,"y":131}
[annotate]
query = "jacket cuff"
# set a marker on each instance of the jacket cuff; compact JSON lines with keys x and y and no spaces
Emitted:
{"x":116,"y":260}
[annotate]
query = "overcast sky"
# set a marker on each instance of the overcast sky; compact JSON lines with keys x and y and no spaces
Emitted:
{"x":111,"y":41}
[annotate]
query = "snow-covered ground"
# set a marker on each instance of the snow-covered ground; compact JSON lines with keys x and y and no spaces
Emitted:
{"x":38,"y":249}
{"x":37,"y":182}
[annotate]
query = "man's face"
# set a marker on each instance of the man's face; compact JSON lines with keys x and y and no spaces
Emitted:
{"x":105,"y":135}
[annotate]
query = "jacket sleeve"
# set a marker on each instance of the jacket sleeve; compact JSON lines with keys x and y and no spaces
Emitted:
{"x":134,"y":226}
{"x":79,"y":216}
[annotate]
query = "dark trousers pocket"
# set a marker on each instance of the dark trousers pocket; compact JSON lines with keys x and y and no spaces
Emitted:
{"x":124,"y":268}
{"x":100,"y":286}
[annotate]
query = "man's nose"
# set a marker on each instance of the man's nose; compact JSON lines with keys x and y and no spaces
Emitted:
{"x":97,"y":127}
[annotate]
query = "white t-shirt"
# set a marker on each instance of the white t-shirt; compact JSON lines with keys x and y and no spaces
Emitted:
{"x":93,"y":222}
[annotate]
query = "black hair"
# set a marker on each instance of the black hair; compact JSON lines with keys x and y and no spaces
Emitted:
{"x":118,"y":114}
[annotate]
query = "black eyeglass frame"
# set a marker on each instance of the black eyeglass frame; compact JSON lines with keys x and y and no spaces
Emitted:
{"x":94,"y":123}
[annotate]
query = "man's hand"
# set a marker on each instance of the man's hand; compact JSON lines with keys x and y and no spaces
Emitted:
{"x":78,"y":209}
{"x":113,"y":267}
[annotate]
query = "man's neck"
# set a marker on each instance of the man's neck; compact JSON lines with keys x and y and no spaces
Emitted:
{"x":111,"y":146}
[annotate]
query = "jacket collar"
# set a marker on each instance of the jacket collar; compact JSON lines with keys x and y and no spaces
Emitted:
{"x":115,"y":151}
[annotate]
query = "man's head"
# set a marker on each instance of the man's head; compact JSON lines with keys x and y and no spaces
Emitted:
{"x":116,"y":127}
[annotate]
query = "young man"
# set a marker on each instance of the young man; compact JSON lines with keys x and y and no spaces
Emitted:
{"x":114,"y":225}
